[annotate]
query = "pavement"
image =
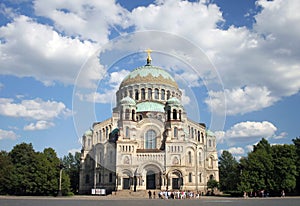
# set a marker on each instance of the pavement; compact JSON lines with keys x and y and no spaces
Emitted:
{"x":114,"y":200}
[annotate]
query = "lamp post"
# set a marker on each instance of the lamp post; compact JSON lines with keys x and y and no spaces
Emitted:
{"x":61,"y":167}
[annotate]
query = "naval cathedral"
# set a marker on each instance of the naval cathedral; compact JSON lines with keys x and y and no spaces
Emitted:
{"x":149,"y":143}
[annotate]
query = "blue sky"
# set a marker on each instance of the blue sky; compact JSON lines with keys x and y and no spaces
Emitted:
{"x":236,"y":61}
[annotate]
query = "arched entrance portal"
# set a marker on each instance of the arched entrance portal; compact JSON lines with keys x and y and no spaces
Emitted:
{"x":177,"y":180}
{"x":153,"y":176}
{"x":150,"y":182}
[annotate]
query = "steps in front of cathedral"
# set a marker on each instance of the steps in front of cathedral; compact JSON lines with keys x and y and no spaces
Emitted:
{"x":131,"y":194}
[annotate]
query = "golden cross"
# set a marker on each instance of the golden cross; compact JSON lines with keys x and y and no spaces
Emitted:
{"x":148,"y":57}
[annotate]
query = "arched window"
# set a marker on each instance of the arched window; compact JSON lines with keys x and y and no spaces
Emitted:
{"x":150,"y":139}
{"x":149,"y":93}
{"x":175,"y":132}
{"x":192,"y":132}
{"x":133,"y":115}
{"x":127,"y":132}
{"x":190,"y":157}
{"x":209,"y":143}
{"x":200,"y":177}
{"x":162,"y":94}
{"x":100,"y":134}
{"x":136,"y":94}
{"x":199,"y":136}
{"x":174,"y":114}
{"x":130,"y":93}
{"x":143,"y":94}
{"x":169,"y":115}
{"x":202,"y":137}
{"x":156,"y":94}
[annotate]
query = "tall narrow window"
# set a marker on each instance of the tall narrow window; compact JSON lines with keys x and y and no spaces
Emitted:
{"x":200,"y":177}
{"x":190,"y":177}
{"x":209,"y":143}
{"x":174,"y":114}
{"x":169,"y":115}
{"x":136,"y":94}
{"x":162,"y":94}
{"x":175,"y":132}
{"x":150,"y":139}
{"x":133,"y":115}
{"x":190,"y":157}
{"x":106,"y":132}
{"x":127,"y":132}
{"x":143,"y":94}
{"x":200,"y":158}
{"x":149,"y":93}
{"x":156,"y":94}
{"x":127,"y":113}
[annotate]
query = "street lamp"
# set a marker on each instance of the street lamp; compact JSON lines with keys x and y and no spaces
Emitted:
{"x":61,"y":167}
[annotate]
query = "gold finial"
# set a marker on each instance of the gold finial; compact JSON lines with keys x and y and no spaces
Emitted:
{"x":148,"y":57}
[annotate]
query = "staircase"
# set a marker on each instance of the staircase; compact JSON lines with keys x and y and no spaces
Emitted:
{"x":132,"y":195}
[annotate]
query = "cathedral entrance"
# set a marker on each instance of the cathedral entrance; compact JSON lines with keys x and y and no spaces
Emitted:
{"x":177,"y":180}
{"x":175,"y":184}
{"x":126,"y":183}
{"x":150,"y":181}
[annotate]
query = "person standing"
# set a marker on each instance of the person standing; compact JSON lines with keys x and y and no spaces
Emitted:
{"x":150,"y":194}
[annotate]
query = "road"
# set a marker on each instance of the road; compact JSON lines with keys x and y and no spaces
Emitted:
{"x":102,"y":201}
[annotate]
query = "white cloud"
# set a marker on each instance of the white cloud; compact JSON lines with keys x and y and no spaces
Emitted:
{"x":5,"y":134}
{"x":236,"y":150}
{"x":240,"y":100}
{"x":41,"y":52}
{"x":263,"y":59}
{"x":107,"y":97}
{"x":33,"y":109}
{"x":74,"y":150}
{"x":87,"y":19}
{"x":39,"y":125}
{"x":246,"y":132}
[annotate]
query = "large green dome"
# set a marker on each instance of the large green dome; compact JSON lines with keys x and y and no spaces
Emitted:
{"x":149,"y":74}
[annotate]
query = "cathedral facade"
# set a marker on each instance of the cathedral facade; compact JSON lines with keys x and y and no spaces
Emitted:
{"x":149,"y":142}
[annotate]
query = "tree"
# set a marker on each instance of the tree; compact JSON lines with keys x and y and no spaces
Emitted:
{"x":257,"y":169}
{"x":23,"y":157}
{"x":35,"y":173}
{"x":229,"y":172}
{"x":72,"y":166}
{"x":6,"y":173}
{"x":285,"y":169}
{"x":296,"y":142}
{"x":212,"y":184}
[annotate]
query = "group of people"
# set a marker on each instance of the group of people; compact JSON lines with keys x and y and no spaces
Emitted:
{"x":174,"y":195}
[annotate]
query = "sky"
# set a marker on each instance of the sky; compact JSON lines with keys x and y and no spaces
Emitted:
{"x":236,"y":62}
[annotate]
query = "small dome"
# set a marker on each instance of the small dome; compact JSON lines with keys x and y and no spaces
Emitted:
{"x":149,"y":74}
{"x":210,"y":133}
{"x":128,"y":101}
{"x":150,"y":107}
{"x":174,"y":101}
{"x":88,"y":133}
